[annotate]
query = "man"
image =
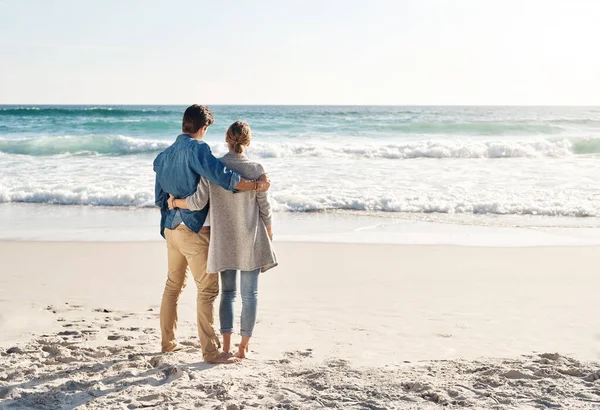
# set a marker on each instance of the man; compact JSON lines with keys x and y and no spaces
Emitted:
{"x":178,"y":171}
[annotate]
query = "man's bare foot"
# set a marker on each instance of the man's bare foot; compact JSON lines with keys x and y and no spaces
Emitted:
{"x":173,"y":348}
{"x":224,"y":358}
{"x":242,"y":352}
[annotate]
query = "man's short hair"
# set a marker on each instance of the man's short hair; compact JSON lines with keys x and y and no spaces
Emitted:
{"x":195,"y":117}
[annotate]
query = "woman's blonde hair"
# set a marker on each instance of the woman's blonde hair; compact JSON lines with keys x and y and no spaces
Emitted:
{"x":239,"y":136}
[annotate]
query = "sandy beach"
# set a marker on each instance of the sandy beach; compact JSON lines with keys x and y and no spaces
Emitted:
{"x":340,"y":326}
{"x":433,"y":202}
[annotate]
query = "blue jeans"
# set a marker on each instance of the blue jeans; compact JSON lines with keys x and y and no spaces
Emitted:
{"x":249,"y":288}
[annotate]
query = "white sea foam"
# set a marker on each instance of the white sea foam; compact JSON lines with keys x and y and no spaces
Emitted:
{"x":112,"y":145}
{"x":79,"y":197}
{"x":420,"y":149}
{"x":445,"y":205}
{"x":287,"y":201}
{"x":442,"y":148}
{"x":542,"y":177}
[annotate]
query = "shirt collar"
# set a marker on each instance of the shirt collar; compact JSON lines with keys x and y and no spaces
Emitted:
{"x":181,"y":137}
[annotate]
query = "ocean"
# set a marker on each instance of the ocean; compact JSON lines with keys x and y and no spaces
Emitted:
{"x":482,"y":164}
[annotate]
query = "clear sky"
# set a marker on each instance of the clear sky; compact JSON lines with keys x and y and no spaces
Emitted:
{"x":300,"y":52}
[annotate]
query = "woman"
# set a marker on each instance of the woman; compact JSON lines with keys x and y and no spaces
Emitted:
{"x":240,"y":237}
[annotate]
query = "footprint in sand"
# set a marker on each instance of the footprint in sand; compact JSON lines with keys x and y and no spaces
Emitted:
{"x":299,"y":353}
{"x":171,"y":373}
{"x":120,"y":337}
{"x":150,"y":400}
{"x":516,"y":374}
{"x":97,"y":354}
{"x":15,"y":350}
{"x":157,"y":361}
{"x":69,"y":333}
{"x":53,"y":349}
{"x":338,"y":363}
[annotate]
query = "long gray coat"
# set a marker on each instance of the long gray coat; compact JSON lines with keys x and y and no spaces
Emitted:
{"x":238,"y":233}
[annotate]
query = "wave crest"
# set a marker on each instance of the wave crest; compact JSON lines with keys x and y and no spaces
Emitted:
{"x":144,"y":198}
{"x":81,"y":111}
{"x":114,"y":145}
{"x":449,"y":148}
{"x":433,"y":149}
{"x":440,"y":205}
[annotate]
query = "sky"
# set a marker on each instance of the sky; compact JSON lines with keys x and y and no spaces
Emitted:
{"x":399,"y":52}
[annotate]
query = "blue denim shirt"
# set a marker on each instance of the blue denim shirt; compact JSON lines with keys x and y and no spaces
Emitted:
{"x":178,"y":170}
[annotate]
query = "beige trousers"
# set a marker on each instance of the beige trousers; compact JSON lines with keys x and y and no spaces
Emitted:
{"x":186,"y":248}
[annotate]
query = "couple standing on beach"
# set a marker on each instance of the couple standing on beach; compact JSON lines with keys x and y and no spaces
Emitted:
{"x":234,"y":235}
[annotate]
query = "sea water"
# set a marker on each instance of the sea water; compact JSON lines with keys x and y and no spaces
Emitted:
{"x":475,"y":165}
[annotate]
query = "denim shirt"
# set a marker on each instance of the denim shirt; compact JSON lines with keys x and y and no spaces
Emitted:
{"x":178,"y":170}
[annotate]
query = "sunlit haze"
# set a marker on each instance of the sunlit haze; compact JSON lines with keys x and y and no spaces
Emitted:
{"x":291,"y":52}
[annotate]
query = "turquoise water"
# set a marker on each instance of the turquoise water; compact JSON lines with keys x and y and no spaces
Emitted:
{"x":411,"y":160}
{"x":318,"y":122}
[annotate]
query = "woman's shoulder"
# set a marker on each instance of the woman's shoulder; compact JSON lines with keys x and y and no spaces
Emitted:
{"x":229,"y":158}
{"x":256,"y":166}
{"x":243,"y":159}
{"x":243,"y":165}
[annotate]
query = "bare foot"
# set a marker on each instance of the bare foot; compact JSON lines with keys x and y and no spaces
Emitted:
{"x":242,"y":352}
{"x":173,"y":348}
{"x":224,"y":358}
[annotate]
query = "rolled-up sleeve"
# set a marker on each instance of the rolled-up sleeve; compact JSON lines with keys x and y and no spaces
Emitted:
{"x":209,"y":167}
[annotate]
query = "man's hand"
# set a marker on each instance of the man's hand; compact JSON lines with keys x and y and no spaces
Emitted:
{"x":170,"y":202}
{"x":270,"y":232}
{"x":263,"y":183}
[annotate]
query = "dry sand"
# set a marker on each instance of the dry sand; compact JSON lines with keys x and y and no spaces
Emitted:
{"x":340,"y":326}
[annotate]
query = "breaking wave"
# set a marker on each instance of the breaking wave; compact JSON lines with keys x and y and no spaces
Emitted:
{"x":144,"y":198}
{"x":441,"y":148}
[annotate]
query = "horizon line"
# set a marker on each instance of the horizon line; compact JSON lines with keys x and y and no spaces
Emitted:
{"x":304,"y":105}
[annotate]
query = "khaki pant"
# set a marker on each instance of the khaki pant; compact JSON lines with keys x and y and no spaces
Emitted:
{"x":186,"y":248}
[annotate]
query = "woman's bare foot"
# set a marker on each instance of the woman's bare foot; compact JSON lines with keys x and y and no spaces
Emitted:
{"x":243,"y":347}
{"x":242,"y":352}
{"x":224,"y":358}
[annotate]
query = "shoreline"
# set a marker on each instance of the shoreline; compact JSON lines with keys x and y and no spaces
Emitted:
{"x":31,"y":222}
{"x":307,"y":242}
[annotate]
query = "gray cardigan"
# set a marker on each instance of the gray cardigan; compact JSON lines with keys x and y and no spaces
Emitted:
{"x":238,"y":222}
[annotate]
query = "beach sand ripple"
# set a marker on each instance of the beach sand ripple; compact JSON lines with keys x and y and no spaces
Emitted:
{"x":99,"y":364}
